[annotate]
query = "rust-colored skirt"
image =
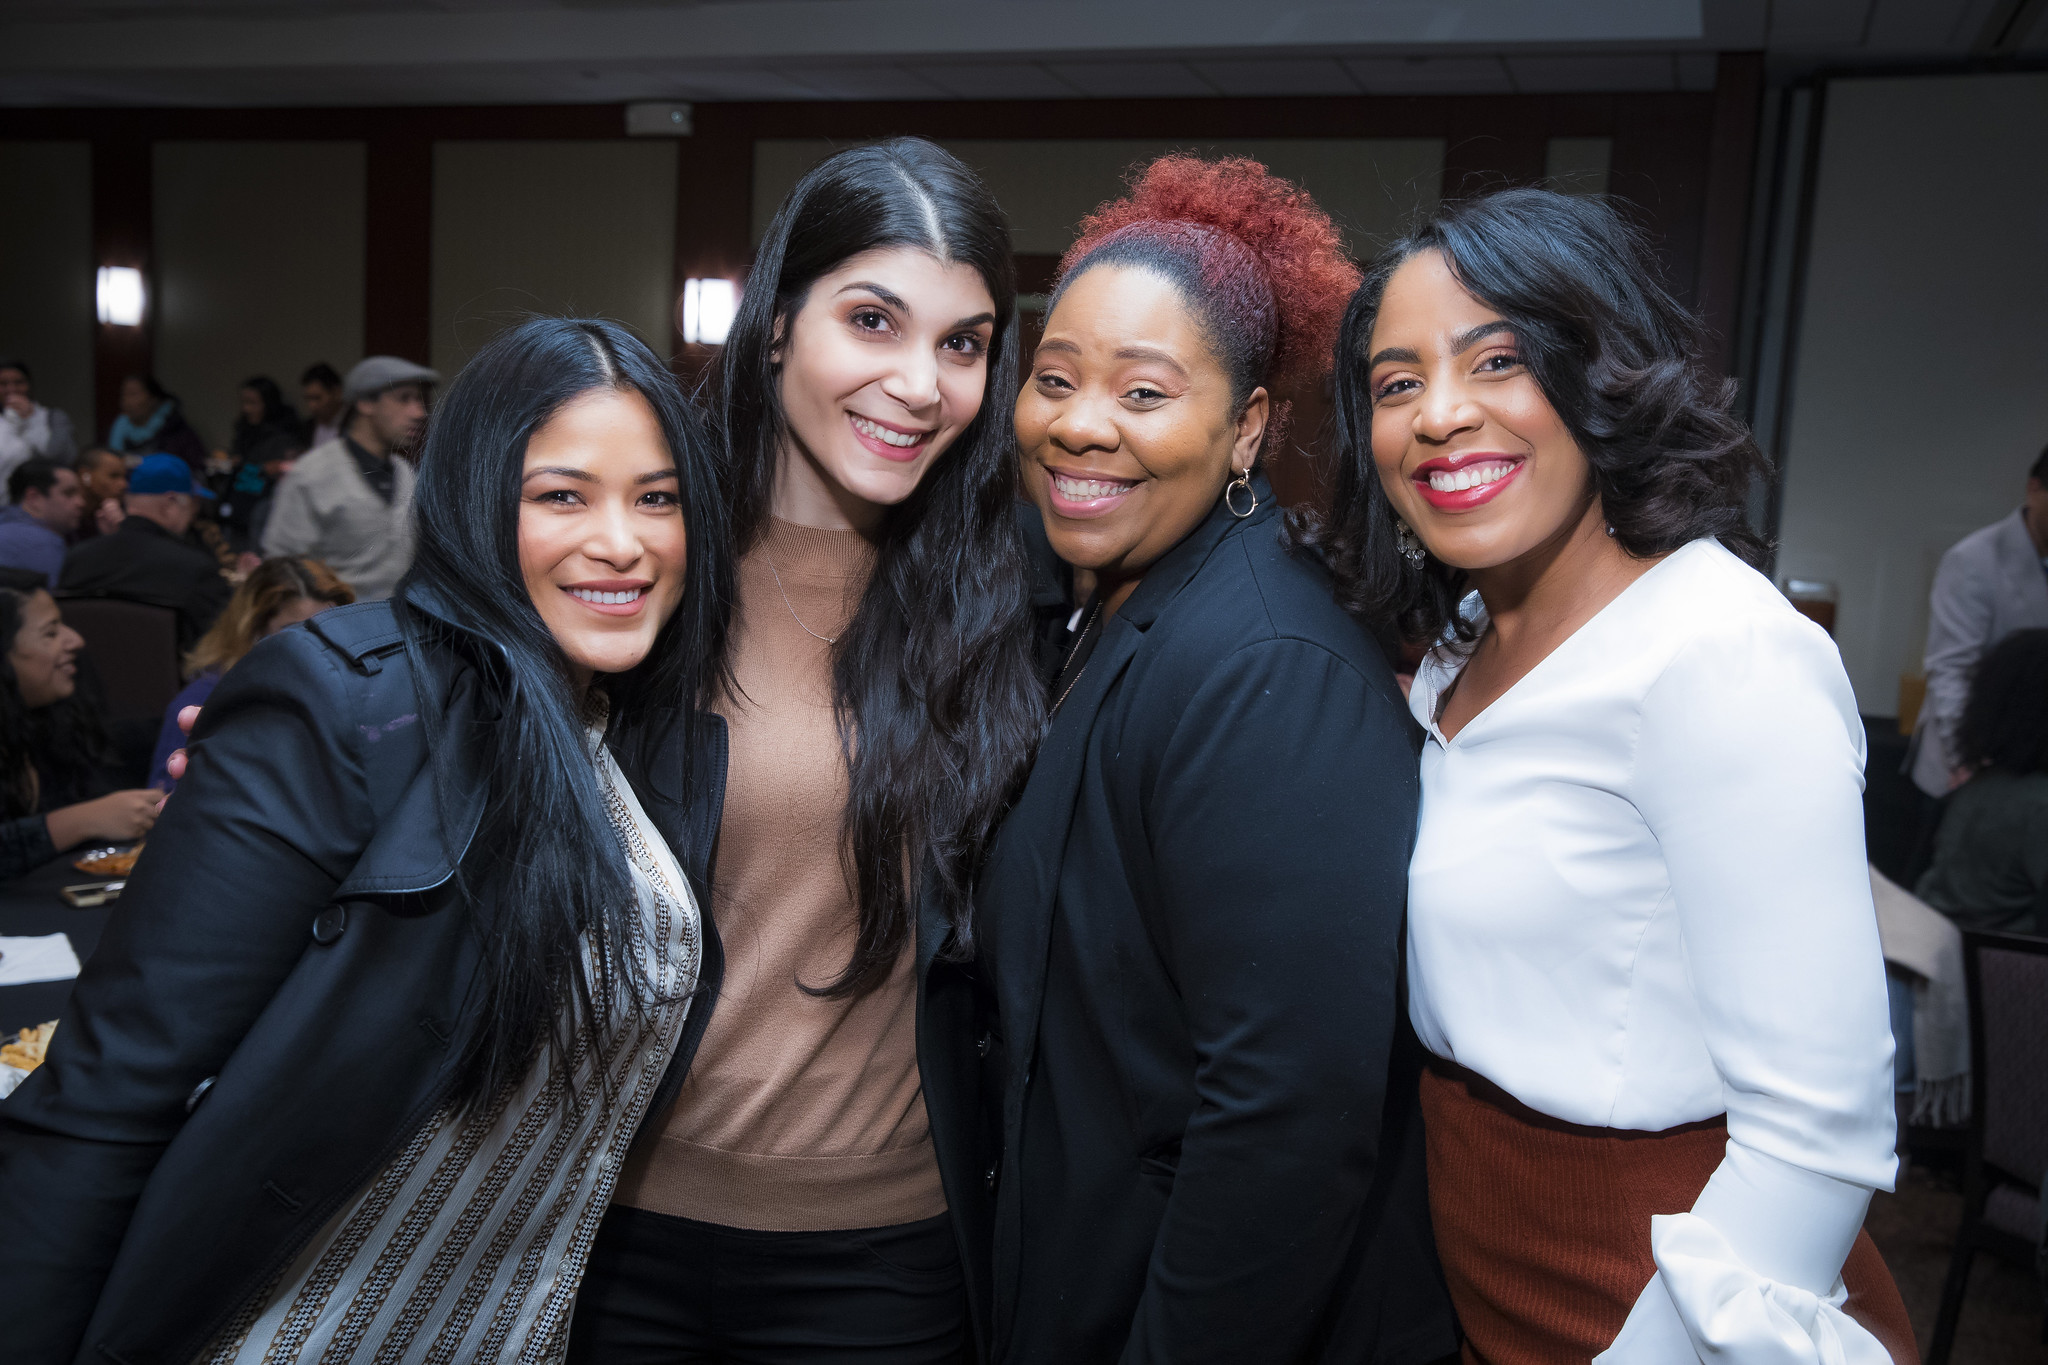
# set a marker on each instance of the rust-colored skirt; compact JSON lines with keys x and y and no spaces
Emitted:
{"x":1544,"y":1226}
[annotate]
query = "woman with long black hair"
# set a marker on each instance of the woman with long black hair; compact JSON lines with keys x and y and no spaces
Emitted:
{"x":1641,"y":949}
{"x":818,"y":1191}
{"x":357,"y":1062}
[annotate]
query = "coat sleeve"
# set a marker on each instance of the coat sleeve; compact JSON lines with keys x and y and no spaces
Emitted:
{"x":24,"y":845}
{"x":1959,"y":612}
{"x":291,"y":528}
{"x":1280,"y":823}
{"x":1749,"y":772}
{"x":269,"y":818}
{"x":63,"y":447}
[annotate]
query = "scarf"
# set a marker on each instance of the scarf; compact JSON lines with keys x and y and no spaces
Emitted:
{"x":127,"y":435}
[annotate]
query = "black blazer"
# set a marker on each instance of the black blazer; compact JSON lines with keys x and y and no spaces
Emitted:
{"x":272,"y":1011}
{"x":1192,"y":923}
{"x":142,"y":562}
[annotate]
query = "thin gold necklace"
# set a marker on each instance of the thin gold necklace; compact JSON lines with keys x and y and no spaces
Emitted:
{"x":828,"y":639}
{"x":1077,"y":644}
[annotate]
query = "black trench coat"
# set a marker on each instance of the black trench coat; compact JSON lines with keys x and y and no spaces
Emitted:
{"x":274,"y":1008}
{"x":1192,"y":921}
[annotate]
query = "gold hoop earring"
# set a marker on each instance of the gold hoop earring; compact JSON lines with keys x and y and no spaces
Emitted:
{"x":1244,"y":481}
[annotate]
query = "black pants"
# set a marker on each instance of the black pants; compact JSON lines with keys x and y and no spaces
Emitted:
{"x":680,"y":1292}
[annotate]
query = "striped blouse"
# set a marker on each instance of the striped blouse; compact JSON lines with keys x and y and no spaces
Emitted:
{"x":470,"y":1244}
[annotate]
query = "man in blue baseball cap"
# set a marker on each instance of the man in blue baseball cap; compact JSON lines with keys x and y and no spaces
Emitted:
{"x":147,"y":558}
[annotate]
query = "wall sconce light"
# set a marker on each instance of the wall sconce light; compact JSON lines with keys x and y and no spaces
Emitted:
{"x":120,"y":295}
{"x":708,"y":306}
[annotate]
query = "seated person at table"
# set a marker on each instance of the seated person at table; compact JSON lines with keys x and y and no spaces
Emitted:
{"x":103,"y":478}
{"x":44,"y":505}
{"x":280,"y":592}
{"x":1991,"y":855}
{"x":148,"y":557}
{"x":52,"y":746}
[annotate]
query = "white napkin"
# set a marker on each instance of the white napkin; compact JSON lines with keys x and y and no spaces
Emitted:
{"x":47,"y":958}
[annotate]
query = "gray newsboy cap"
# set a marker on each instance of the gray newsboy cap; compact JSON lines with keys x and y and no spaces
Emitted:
{"x":376,"y":373}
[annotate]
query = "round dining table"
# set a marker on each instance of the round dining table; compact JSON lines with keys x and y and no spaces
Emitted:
{"x":31,"y":905}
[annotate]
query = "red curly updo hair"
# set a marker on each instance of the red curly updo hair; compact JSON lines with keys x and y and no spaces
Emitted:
{"x":1259,"y":263}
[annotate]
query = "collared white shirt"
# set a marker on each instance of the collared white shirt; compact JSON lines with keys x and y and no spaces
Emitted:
{"x":1639,"y":899}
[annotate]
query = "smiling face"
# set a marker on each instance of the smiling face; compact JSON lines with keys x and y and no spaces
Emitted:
{"x":881,"y":369}
{"x":1469,"y":449}
{"x":1126,"y":428}
{"x":44,"y":655}
{"x":601,"y":534}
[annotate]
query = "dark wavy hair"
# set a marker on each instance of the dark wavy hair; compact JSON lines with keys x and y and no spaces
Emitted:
{"x":1621,"y":361}
{"x":50,"y":756}
{"x":2005,"y":721}
{"x":938,"y":703}
{"x":545,"y":865}
{"x":278,"y":416}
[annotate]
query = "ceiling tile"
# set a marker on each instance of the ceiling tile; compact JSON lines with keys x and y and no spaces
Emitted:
{"x":1132,"y":80}
{"x":1735,"y":25}
{"x":1310,"y":77}
{"x":1573,"y":75}
{"x":998,"y":81}
{"x":862,"y":82}
{"x":1928,"y":26}
{"x":1800,"y":24}
{"x":1430,"y":75}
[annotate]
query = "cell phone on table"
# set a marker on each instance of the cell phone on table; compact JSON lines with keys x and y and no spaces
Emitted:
{"x":89,"y":895}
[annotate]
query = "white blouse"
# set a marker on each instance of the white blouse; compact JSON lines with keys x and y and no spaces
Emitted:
{"x":1639,"y":899}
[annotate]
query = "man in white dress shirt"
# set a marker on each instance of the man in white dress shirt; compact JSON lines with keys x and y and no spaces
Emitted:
{"x":1991,"y":583}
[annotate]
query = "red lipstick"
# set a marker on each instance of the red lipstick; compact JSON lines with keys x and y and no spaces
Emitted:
{"x":1459,"y":483}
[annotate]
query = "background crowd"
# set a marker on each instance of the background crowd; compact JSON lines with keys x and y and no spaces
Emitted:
{"x":291,"y":512}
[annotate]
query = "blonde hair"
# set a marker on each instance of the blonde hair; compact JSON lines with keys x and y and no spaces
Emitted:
{"x":274,"y":585}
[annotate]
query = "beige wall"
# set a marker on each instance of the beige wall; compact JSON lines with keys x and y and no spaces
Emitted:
{"x":582,"y":228}
{"x":1369,"y":186}
{"x":1918,"y":399}
{"x":46,"y":271}
{"x":259,"y":254}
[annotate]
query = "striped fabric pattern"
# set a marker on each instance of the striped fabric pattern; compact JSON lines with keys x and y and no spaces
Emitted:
{"x":470,"y":1244}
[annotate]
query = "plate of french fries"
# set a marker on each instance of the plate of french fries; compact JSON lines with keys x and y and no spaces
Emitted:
{"x":108,"y":862}
{"x":22,"y":1054}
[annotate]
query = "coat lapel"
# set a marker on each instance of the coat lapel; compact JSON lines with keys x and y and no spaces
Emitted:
{"x":1026,"y":863}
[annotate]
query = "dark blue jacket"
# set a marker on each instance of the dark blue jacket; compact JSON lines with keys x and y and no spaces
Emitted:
{"x":1211,"y":1145}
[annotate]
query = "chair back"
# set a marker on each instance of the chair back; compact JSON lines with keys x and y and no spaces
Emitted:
{"x":134,"y":649}
{"x":2008,"y":976}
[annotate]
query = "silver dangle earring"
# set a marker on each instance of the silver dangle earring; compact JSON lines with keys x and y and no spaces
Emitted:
{"x":1244,"y":481}
{"x":1410,"y":543}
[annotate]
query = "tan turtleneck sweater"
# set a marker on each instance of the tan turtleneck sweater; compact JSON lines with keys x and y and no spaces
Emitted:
{"x":799,"y":1113}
